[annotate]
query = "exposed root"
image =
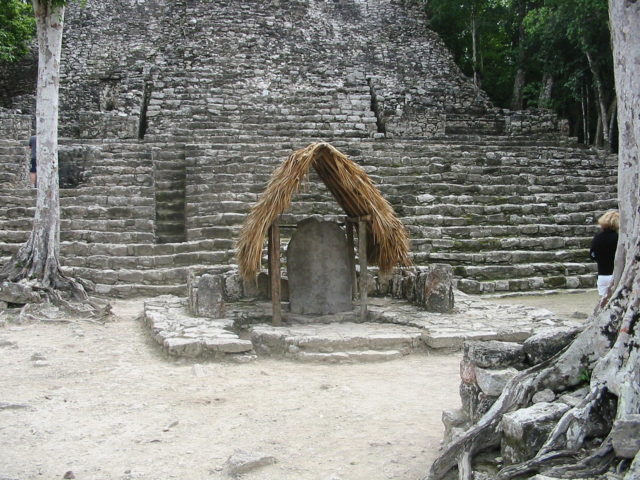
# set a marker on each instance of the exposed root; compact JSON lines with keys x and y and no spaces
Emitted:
{"x":484,"y":434}
{"x":578,"y":423}
{"x":536,"y":465}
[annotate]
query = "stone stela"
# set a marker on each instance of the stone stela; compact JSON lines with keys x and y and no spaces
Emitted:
{"x":321,"y":267}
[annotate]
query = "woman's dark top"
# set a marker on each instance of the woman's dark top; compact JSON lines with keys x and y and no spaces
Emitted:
{"x":603,"y":250}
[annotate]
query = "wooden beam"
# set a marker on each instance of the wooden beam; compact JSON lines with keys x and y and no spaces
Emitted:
{"x":364,"y":275}
{"x":274,"y":273}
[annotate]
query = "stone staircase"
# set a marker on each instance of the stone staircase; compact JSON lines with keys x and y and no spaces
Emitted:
{"x":223,"y":92}
{"x":510,"y":214}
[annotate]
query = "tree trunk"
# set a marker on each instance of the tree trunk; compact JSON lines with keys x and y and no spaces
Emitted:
{"x":609,"y":346}
{"x":613,"y":109}
{"x":517,"y":100}
{"x":602,"y":103}
{"x":544,"y":100}
{"x":585,"y":115}
{"x":518,"y":86}
{"x":477,"y":79}
{"x":38,"y":258}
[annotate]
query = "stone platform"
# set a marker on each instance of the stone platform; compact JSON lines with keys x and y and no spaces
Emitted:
{"x":393,"y":329}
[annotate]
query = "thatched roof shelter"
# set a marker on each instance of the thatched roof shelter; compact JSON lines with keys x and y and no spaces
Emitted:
{"x":388,"y":242}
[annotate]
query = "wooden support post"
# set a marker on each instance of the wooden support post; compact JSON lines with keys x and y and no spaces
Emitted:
{"x":352,"y":259}
{"x":364,"y":276}
{"x":274,"y":273}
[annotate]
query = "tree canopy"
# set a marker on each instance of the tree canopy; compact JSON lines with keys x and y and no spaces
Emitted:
{"x":17,"y":29}
{"x":536,"y":53}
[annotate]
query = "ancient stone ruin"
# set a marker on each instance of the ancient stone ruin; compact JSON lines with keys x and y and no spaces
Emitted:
{"x":174,"y":114}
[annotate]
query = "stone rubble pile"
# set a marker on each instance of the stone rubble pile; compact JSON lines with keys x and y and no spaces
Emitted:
{"x":485,"y":369}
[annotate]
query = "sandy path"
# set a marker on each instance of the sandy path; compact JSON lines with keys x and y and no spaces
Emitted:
{"x":104,"y":404}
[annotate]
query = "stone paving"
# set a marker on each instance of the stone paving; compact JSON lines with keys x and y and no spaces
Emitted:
{"x":394,"y":328}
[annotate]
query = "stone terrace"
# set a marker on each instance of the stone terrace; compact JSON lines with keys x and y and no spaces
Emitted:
{"x":172,"y":143}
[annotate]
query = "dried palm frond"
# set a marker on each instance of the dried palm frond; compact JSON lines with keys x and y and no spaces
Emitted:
{"x":353,"y":190}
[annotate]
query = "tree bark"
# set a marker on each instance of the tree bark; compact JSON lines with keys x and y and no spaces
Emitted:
{"x":544,"y":99}
{"x":613,"y":109}
{"x":477,"y":78}
{"x":38,"y":258}
{"x":609,"y":346}
{"x":517,"y":101}
{"x":602,"y":103}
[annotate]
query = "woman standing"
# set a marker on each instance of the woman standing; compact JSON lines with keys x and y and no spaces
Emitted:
{"x":603,"y":248}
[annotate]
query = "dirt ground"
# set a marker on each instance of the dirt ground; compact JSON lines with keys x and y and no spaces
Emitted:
{"x":103,"y":403}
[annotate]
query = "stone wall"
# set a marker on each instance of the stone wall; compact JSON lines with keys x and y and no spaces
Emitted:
{"x":202,"y":61}
{"x":14,"y":126}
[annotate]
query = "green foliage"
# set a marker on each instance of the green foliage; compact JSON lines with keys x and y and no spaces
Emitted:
{"x":541,"y":37}
{"x":17,"y":28}
{"x":585,"y":376}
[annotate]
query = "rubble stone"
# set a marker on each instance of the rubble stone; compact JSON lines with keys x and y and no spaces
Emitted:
{"x":494,"y":354}
{"x":544,"y":345}
{"x":624,"y":436}
{"x":525,"y":430}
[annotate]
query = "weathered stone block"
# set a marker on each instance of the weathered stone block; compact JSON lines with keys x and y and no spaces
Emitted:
{"x":545,"y":345}
{"x":242,"y":462}
{"x":624,"y":436}
{"x":228,"y":345}
{"x":492,"y":382}
{"x":233,"y":287}
{"x":469,"y":398}
{"x":434,"y":288}
{"x":210,"y":296}
{"x":494,"y":354}
{"x":525,"y":430}
{"x":18,"y":293}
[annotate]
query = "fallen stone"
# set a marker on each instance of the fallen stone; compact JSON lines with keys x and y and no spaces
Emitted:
{"x":525,"y":430}
{"x":492,"y":382}
{"x":19,"y":293}
{"x":494,"y":354}
{"x":242,"y":462}
{"x":228,"y":345}
{"x":38,"y":356}
{"x":188,"y":347}
{"x":545,"y":345}
{"x":210,"y":296}
{"x":545,"y":395}
{"x":624,"y":436}
{"x":434,"y":288}
{"x":574,"y":398}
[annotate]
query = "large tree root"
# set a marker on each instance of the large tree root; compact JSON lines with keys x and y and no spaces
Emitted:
{"x":51,"y":285}
{"x":563,"y":452}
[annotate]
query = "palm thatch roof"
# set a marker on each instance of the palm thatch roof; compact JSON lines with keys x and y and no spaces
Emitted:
{"x":353,"y":190}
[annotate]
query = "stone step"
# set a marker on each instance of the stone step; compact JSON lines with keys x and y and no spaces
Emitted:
{"x":150,"y":262}
{"x":493,"y":244}
{"x":527,"y":284}
{"x":169,"y":275}
{"x":501,"y":231}
{"x":508,"y":257}
{"x":528,"y":269}
{"x":90,"y":236}
{"x":461,"y":210}
{"x":337,"y":342}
